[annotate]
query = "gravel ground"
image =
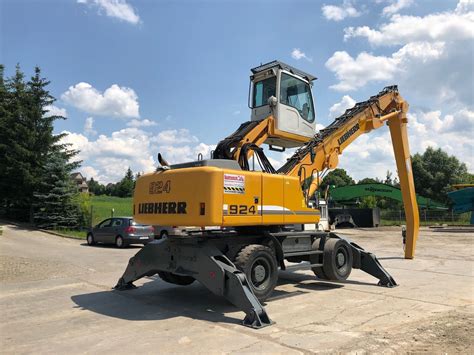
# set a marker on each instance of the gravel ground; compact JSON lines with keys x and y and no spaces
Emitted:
{"x":56,"y":297}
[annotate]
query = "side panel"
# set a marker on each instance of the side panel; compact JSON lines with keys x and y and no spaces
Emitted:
{"x":272,"y":199}
{"x":174,"y":197}
{"x":295,"y":203}
{"x":241,"y":192}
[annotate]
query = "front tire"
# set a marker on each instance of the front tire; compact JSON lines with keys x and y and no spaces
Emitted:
{"x":338,"y":258}
{"x":90,"y":239}
{"x":259,"y":264}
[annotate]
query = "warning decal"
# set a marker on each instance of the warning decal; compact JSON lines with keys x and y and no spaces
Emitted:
{"x":234,"y":184}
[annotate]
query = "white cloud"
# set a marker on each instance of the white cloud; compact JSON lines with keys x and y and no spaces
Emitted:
{"x":141,"y":123}
{"x":107,"y":157}
{"x":434,"y":60}
{"x":297,"y":54}
{"x":371,"y":155}
{"x":465,"y":6}
{"x":356,"y":72}
{"x":119,"y":9}
{"x":89,"y":126}
{"x":339,"y":108}
{"x":174,"y":136}
{"x":116,"y":101}
{"x":396,"y":6}
{"x":55,"y":111}
{"x":446,"y":26}
{"x":339,"y":13}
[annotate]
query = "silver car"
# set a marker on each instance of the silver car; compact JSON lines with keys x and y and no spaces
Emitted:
{"x":121,"y":231}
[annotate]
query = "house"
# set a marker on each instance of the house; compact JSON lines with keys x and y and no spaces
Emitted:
{"x":80,"y":181}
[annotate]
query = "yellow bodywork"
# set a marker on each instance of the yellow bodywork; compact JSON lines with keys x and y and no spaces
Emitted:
{"x":225,"y":197}
{"x":211,"y":196}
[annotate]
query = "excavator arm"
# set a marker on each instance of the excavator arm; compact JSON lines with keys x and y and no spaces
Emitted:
{"x":322,"y":151}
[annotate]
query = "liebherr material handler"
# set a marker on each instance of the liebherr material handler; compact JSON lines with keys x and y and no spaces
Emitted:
{"x":258,"y":210}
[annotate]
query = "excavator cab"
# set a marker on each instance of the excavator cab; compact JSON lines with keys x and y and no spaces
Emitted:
{"x":283,"y":92}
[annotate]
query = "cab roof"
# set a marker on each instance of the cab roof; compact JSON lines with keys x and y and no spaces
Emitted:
{"x":284,"y":66}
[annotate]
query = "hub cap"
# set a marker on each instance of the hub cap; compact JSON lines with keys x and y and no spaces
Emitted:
{"x":259,"y":273}
{"x":340,"y":259}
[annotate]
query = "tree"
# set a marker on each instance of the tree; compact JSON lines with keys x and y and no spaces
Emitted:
{"x":435,"y":172}
{"x":95,"y":187}
{"x":56,"y":201}
{"x":338,"y":178}
{"x":125,"y":187}
{"x":26,"y":141}
{"x":368,"y":181}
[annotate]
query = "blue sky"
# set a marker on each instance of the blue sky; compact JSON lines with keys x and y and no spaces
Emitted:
{"x":138,"y":77}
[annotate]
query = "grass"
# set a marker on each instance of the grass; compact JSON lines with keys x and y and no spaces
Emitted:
{"x":102,"y":207}
{"x":72,"y":233}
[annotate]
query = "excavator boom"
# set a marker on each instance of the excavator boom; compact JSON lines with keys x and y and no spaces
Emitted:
{"x":321,"y":152}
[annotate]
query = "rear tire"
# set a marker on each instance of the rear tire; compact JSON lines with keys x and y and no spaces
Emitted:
{"x":259,"y":264}
{"x":175,"y":279}
{"x":163,"y":235}
{"x":90,"y":239}
{"x":338,"y":258}
{"x":119,"y":242}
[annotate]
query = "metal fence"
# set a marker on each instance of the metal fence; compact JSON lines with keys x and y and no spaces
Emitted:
{"x":426,"y":217}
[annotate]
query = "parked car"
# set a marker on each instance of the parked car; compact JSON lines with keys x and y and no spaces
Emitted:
{"x":121,"y":231}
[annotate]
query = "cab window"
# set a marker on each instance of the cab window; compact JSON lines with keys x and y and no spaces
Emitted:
{"x":263,"y":90}
{"x":297,"y":94}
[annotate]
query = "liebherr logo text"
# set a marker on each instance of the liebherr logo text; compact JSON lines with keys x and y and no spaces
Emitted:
{"x":162,"y":208}
{"x":349,"y":133}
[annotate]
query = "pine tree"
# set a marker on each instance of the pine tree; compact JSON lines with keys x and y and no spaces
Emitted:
{"x":16,"y":178}
{"x":126,"y":185}
{"x":56,"y":201}
{"x":26,"y":141}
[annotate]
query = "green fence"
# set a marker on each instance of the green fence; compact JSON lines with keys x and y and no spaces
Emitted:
{"x":427,"y":217}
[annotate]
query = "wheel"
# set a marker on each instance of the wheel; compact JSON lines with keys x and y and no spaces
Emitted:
{"x":176,"y":279}
{"x":317,"y":259}
{"x":259,"y":264}
{"x":119,"y":242}
{"x":337,"y":260}
{"x":163,"y":235}
{"x":90,"y":239}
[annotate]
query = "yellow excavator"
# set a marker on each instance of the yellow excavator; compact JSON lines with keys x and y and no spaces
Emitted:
{"x":259,"y":212}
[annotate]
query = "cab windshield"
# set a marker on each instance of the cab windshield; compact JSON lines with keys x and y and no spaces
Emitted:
{"x":263,"y":90}
{"x":296,"y":93}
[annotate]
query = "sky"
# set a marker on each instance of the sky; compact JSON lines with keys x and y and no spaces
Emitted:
{"x":138,"y":77}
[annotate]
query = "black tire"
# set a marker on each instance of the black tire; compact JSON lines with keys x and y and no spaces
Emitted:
{"x":317,"y":259}
{"x":175,"y":279}
{"x":120,"y":242}
{"x":163,"y":234}
{"x":337,"y":260}
{"x":90,"y":239}
{"x":259,"y":264}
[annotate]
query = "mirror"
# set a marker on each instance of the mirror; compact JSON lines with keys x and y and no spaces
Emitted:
{"x":272,"y":101}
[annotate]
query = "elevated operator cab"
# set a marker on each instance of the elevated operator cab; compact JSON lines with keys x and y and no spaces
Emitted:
{"x":279,"y":90}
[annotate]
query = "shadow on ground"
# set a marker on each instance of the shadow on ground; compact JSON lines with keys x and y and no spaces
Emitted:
{"x":157,"y":300}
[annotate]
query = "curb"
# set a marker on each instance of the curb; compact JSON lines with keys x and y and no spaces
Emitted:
{"x":42,"y":230}
{"x":60,"y":234}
